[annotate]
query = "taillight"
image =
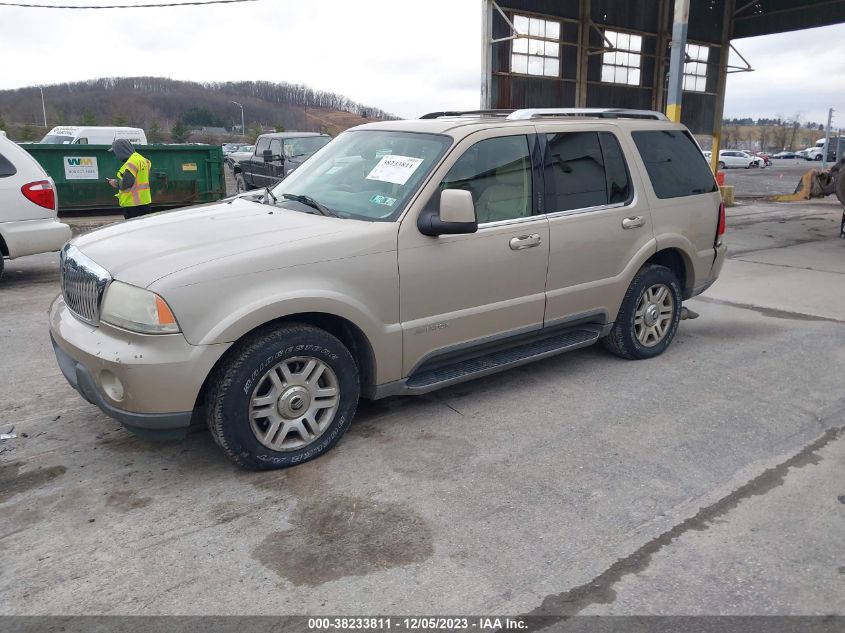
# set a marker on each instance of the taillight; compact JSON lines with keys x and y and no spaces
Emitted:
{"x":721,"y":230}
{"x":41,"y":193}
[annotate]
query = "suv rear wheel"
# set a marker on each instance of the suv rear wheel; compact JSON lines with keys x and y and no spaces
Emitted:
{"x":649,"y":316}
{"x":282,"y":397}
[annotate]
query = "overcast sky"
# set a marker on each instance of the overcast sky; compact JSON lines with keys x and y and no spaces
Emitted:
{"x":406,"y":58}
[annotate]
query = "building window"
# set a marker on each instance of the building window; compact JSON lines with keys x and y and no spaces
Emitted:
{"x":539,"y":52}
{"x":695,"y":68}
{"x":622,"y":64}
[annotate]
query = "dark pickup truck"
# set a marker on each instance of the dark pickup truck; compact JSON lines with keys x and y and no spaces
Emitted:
{"x":276,"y":155}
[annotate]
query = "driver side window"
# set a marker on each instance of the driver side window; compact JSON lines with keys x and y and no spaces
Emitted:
{"x":497,"y":172}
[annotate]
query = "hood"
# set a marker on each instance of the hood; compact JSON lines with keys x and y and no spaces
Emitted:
{"x":227,"y":239}
{"x":122,"y":149}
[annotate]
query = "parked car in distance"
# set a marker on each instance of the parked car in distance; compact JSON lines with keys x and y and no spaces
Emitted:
{"x":228,"y":148}
{"x":93,"y":135}
{"x":403,"y":257}
{"x":28,"y":204}
{"x":784,"y":155}
{"x":734,"y":158}
{"x":767,"y":160}
{"x":276,"y":156}
{"x":236,"y":156}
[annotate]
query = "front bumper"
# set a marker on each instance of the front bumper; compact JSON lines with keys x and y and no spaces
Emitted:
{"x":150,"y":384}
{"x":154,"y":426}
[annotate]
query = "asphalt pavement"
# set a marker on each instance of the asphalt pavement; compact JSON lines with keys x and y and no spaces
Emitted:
{"x":705,"y":481}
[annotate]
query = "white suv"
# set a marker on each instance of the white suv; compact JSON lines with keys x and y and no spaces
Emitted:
{"x":28,"y":204}
{"x":736,"y":158}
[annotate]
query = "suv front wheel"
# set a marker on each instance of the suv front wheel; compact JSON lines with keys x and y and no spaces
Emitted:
{"x":282,"y":397}
{"x":649,"y":316}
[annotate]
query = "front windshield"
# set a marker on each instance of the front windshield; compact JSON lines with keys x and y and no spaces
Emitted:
{"x":56,"y":139}
{"x":367,"y":174}
{"x":304,"y":147}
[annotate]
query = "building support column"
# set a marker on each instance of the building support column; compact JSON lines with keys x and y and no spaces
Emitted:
{"x":677,"y":59}
{"x":721,"y":87}
{"x":583,"y":54}
{"x":658,"y":97}
{"x":486,"y":53}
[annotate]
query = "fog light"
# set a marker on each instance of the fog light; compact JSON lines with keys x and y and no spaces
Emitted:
{"x":111,"y":385}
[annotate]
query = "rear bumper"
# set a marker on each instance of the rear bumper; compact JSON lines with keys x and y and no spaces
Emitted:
{"x":721,"y":253}
{"x":29,"y":237}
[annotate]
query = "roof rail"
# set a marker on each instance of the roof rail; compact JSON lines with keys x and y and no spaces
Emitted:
{"x":437,"y":115}
{"x":602,"y":113}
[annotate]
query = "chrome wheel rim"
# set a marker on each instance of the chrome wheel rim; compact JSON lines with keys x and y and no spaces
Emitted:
{"x":654,"y":315}
{"x":294,"y":403}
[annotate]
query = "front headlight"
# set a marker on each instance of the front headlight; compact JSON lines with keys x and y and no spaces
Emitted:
{"x":136,"y":309}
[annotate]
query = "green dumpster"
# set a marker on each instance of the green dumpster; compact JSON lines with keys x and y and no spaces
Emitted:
{"x":180,"y":175}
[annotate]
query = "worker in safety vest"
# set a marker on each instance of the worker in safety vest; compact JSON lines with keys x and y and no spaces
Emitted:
{"x":133,"y":180}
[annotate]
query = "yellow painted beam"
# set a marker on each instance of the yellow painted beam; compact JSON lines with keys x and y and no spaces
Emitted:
{"x":673,"y":111}
{"x":714,"y":152}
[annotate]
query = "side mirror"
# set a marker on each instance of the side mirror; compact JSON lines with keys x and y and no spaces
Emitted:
{"x":455,"y":216}
{"x":268,"y":156}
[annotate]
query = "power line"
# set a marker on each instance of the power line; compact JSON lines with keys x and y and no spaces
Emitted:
{"x":195,"y":3}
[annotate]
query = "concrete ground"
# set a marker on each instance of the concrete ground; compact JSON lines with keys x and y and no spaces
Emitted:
{"x":781,"y":177}
{"x":706,"y":481}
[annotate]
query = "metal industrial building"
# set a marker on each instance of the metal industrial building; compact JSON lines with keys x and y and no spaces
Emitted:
{"x":616,"y":53}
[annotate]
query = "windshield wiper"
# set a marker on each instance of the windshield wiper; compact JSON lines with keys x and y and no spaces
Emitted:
{"x":270,"y":194}
{"x":308,"y":201}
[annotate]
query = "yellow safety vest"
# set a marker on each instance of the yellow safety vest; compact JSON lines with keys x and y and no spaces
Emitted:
{"x":139,"y":193}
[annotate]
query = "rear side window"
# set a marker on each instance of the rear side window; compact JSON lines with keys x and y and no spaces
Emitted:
{"x":6,"y":167}
{"x":674,"y":164}
{"x":584,"y":169}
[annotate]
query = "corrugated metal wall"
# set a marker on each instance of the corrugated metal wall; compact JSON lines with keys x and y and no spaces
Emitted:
{"x":649,"y":18}
{"x":652,"y":19}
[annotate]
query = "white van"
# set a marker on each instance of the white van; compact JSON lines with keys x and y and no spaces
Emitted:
{"x":93,"y":135}
{"x":28,"y":205}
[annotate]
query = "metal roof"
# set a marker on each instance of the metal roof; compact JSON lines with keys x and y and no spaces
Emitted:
{"x":765,"y":17}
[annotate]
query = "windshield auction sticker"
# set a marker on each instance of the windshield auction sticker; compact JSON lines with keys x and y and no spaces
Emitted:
{"x":395,"y":169}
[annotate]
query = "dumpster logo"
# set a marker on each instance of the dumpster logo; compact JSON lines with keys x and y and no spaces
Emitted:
{"x":81,"y":168}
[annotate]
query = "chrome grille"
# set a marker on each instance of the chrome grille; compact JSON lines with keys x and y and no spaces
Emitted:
{"x":83,"y":284}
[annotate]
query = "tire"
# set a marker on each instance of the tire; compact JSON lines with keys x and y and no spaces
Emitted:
{"x":240,"y":183}
{"x":818,"y":157}
{"x":721,"y":165}
{"x":244,"y":385}
{"x":2,"y":265}
{"x":623,"y":339}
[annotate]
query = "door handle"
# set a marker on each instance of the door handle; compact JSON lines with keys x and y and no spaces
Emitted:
{"x":634,"y":222}
{"x":525,"y":241}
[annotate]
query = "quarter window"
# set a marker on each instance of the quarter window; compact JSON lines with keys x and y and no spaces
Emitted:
{"x":674,"y":164}
{"x":621,"y":64}
{"x":584,"y":169}
{"x":6,"y":167}
{"x":695,"y":68}
{"x":539,"y":52}
{"x":497,"y":172}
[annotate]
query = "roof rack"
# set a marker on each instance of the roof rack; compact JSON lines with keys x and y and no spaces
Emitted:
{"x":446,"y":113}
{"x":602,"y":113}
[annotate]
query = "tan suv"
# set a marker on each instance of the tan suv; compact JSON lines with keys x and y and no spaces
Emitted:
{"x":403,"y":257}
